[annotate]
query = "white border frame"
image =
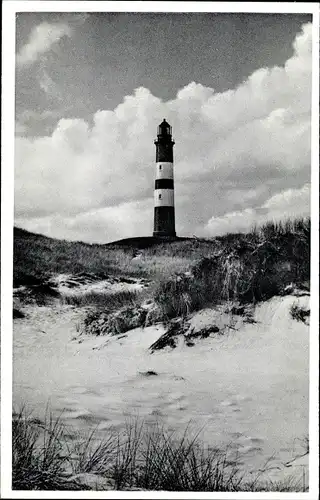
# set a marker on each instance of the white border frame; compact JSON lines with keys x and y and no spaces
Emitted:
{"x":10,"y":8}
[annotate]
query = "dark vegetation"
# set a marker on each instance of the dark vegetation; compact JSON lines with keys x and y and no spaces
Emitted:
{"x":245,"y":268}
{"x":169,"y":338}
{"x":98,"y":322}
{"x":107,"y":301}
{"x":299,"y":313}
{"x":186,"y":274}
{"x":17,"y":314}
{"x":141,"y":457}
{"x":251,"y":266}
{"x":41,"y":294}
{"x":179,"y":328}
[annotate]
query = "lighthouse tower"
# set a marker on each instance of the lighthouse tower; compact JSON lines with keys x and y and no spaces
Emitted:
{"x":164,"y":221}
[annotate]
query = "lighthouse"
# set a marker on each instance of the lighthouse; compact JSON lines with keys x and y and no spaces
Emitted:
{"x":164,"y":220}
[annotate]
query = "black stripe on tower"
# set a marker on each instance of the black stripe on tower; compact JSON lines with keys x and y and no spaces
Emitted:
{"x":164,"y":223}
{"x":164,"y":184}
{"x":164,"y":151}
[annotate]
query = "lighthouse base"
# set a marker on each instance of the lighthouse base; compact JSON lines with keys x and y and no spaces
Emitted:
{"x":158,"y":234}
{"x":164,"y":223}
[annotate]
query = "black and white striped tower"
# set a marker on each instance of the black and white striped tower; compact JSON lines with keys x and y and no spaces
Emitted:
{"x":164,"y":221}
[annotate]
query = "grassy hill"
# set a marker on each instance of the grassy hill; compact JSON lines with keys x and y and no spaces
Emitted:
{"x":247,"y":267}
{"x":143,"y":242}
{"x":38,"y":257}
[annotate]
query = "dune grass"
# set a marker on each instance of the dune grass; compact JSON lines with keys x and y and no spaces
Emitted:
{"x":241,"y":258}
{"x":108,"y":301}
{"x":187,"y":275}
{"x":246,"y":268}
{"x":38,"y":457}
{"x":37,"y":258}
{"x":192,"y":274}
{"x":49,"y":456}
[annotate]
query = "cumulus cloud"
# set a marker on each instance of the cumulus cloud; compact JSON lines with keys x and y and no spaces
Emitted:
{"x":287,"y":204}
{"x":41,"y":40}
{"x":235,"y":152}
{"x":95,"y":226}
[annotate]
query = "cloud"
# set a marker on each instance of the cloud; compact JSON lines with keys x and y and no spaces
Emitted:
{"x":95,"y":226}
{"x":287,"y":204}
{"x":235,"y":151}
{"x":41,"y":121}
{"x":41,"y":40}
{"x":46,"y":83}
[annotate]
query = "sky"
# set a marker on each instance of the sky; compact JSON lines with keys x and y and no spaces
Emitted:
{"x":92,"y":88}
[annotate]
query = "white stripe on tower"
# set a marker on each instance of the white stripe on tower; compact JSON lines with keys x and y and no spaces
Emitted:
{"x":164,"y":198}
{"x":164,"y":170}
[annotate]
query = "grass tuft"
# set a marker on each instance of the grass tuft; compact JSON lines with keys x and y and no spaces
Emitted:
{"x":92,"y":456}
{"x":38,"y":454}
{"x":108,"y":301}
{"x":47,"y":456}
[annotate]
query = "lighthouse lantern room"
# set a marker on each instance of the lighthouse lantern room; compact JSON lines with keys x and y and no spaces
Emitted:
{"x":164,"y":219}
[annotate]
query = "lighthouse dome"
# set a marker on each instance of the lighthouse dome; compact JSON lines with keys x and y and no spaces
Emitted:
{"x":164,"y":128}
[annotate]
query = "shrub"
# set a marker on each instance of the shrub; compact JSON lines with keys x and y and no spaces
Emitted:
{"x":115,"y":323}
{"x":299,"y":313}
{"x":247,"y":268}
{"x":178,"y":296}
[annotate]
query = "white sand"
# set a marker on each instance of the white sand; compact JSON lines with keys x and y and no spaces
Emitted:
{"x":247,"y":388}
{"x":83,"y":285}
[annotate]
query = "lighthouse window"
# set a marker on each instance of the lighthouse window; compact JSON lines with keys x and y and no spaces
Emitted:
{"x":159,"y":196}
{"x":160,"y":167}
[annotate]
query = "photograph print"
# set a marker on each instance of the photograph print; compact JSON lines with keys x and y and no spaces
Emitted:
{"x":161,"y":250}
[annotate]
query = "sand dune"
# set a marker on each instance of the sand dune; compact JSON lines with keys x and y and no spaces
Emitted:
{"x":246,"y":388}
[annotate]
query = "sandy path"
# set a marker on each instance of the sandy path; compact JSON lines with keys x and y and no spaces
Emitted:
{"x":247,"y":389}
